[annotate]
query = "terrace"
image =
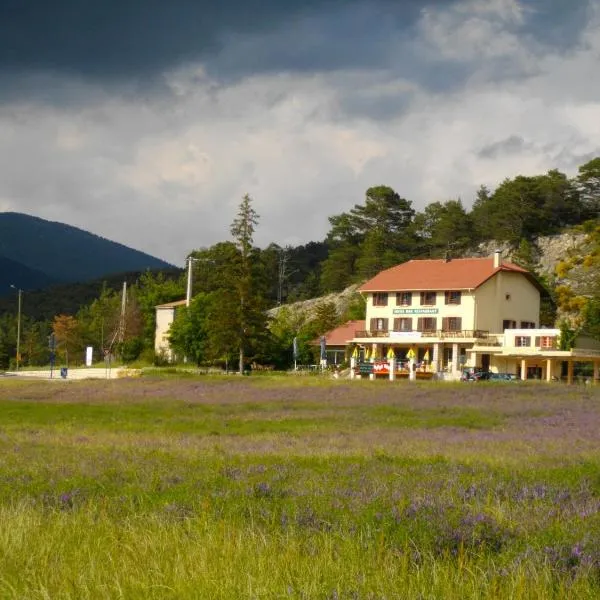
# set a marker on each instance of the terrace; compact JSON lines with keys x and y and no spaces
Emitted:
{"x":441,"y":334}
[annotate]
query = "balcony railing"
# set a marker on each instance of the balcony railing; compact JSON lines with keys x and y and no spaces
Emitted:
{"x":430,"y":333}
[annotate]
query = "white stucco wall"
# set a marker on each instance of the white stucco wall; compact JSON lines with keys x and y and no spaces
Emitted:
{"x":164,"y":318}
{"x":506,"y":296}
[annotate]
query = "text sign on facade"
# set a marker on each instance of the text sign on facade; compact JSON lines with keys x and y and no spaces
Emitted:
{"x":416,"y":311}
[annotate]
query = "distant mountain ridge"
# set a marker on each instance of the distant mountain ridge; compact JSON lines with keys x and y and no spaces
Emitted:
{"x":35,"y":253}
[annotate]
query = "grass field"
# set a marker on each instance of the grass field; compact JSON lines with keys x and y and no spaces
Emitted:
{"x":265,"y":487}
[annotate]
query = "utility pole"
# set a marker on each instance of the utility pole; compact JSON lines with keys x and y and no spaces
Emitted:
{"x":283,"y":258}
{"x":19,"y":293}
{"x":188,"y":297}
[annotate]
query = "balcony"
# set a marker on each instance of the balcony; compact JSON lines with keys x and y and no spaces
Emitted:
{"x":430,"y":333}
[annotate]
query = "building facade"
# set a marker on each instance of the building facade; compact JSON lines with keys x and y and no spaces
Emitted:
{"x":165,"y":315}
{"x":452,"y":314}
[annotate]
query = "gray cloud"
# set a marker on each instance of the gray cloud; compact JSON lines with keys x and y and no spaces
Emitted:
{"x":133,"y":40}
{"x":304,"y":111}
{"x":510,"y":145}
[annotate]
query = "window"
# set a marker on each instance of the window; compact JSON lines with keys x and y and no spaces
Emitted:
{"x":380,"y":299}
{"x":379,"y":324}
{"x":403,"y":298}
{"x":527,"y":325}
{"x":522,"y":341}
{"x":508,"y":324}
{"x":426,"y":324}
{"x":428,"y":298}
{"x":402,"y":324}
{"x":452,"y":324}
{"x":452,"y":297}
{"x":546,"y":342}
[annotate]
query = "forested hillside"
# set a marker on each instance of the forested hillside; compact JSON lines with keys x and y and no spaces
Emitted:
{"x":55,"y":252}
{"x":234,"y":284}
{"x":15,"y":274}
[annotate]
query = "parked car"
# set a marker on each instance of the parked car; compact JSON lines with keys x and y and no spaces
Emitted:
{"x":474,"y":375}
{"x":499,"y":377}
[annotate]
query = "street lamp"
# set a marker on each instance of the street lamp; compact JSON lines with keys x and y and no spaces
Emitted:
{"x":20,"y":292}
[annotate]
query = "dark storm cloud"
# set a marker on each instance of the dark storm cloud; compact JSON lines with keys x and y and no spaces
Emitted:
{"x":129,"y":44}
{"x":119,"y":38}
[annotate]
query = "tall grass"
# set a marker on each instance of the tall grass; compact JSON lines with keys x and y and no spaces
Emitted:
{"x":214,"y":489}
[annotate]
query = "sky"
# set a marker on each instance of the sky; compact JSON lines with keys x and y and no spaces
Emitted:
{"x":146,"y":121}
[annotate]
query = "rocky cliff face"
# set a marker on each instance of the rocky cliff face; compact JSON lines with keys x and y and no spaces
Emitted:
{"x":307,"y":308}
{"x":547,"y":251}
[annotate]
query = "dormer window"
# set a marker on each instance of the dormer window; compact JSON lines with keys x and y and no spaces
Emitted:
{"x":380,"y":299}
{"x":428,"y":298}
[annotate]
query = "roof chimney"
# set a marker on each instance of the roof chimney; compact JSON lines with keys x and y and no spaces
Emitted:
{"x":497,"y":258}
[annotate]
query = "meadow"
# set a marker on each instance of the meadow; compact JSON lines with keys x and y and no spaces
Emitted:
{"x":267,"y":487}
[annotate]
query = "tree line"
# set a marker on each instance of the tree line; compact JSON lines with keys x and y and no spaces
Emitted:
{"x":235,"y":282}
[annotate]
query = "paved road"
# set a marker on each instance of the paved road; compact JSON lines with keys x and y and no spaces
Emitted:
{"x":77,"y":373}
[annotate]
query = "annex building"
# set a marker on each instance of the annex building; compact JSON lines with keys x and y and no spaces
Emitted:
{"x":443,"y":316}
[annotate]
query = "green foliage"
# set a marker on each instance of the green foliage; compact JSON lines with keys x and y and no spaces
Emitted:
{"x":567,"y":336}
{"x":131,"y":349}
{"x":591,"y":318}
{"x":370,"y":237}
{"x":588,"y":185}
{"x":525,"y":255}
{"x":525,"y":207}
{"x":188,"y":335}
{"x":325,"y":317}
{"x":356,"y":310}
{"x":150,"y":290}
{"x":443,"y":228}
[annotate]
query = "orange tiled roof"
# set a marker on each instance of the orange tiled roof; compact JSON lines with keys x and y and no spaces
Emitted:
{"x":341,"y":335}
{"x":454,"y":274}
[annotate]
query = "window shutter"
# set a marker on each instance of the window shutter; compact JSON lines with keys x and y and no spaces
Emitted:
{"x":396,"y":324}
{"x":420,"y":324}
{"x":458,"y":323}
{"x":385,"y":324}
{"x":447,"y":297}
{"x":373,"y":326}
{"x":445,"y":324}
{"x":537,"y":342}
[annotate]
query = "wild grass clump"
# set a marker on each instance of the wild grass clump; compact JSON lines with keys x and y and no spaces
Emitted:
{"x":239,"y":488}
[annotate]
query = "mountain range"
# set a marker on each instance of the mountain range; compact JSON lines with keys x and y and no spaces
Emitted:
{"x":35,"y":253}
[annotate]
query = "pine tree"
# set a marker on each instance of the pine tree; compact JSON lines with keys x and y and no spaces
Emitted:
{"x":249,"y":308}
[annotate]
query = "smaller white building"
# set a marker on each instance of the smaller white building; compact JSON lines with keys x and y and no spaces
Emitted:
{"x":165,"y":315}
